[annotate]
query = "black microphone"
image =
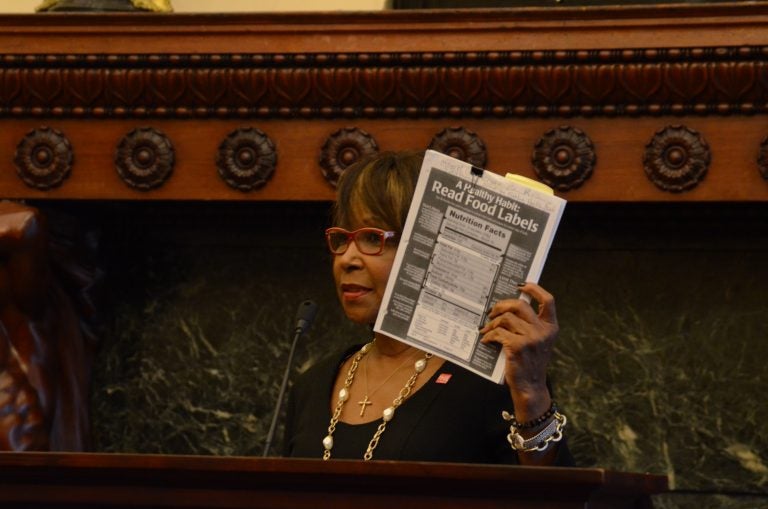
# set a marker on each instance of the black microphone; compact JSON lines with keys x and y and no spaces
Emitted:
{"x":305,"y":315}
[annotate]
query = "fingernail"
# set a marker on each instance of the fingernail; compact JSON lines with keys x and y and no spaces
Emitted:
{"x":521,"y":284}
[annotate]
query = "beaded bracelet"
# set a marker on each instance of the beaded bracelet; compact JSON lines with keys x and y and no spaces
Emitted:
{"x":553,"y":432}
{"x":533,"y":423}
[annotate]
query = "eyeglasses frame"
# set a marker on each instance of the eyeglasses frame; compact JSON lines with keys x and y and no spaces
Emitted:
{"x":352,"y":235}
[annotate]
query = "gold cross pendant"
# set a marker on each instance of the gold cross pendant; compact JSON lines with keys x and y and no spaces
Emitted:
{"x":363,"y":404}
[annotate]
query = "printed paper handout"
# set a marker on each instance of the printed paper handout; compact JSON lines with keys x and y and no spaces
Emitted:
{"x":470,"y":237}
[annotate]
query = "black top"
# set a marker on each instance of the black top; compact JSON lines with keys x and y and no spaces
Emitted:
{"x":453,"y":420}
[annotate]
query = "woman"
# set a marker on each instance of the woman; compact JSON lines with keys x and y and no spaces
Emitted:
{"x":388,"y":400}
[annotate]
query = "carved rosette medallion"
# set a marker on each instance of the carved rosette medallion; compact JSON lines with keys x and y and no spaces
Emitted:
{"x":762,"y":159}
{"x":44,"y":158}
{"x":246,"y":159}
{"x":461,"y":143}
{"x":344,"y":148}
{"x":676,"y":159}
{"x":144,"y":158}
{"x":564,"y":158}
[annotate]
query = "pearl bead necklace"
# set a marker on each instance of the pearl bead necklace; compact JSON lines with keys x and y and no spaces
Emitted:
{"x":388,"y":413}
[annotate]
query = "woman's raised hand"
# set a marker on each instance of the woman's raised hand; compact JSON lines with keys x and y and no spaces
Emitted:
{"x":527,"y":338}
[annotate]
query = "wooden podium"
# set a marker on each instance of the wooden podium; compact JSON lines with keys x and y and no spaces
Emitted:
{"x":37,"y":480}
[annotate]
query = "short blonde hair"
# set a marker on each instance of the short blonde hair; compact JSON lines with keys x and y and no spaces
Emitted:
{"x":380,"y":186}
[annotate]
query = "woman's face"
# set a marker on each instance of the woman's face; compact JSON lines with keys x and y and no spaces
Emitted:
{"x":361,"y":279}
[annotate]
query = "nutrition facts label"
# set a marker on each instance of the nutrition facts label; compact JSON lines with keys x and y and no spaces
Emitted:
{"x":471,"y":236}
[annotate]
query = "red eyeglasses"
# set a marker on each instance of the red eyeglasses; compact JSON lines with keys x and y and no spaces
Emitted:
{"x":369,"y":241}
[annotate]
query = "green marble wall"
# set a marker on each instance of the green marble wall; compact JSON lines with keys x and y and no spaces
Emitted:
{"x":659,"y":366}
{"x":661,"y":362}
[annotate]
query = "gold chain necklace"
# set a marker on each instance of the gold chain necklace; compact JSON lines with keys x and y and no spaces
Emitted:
{"x":365,"y":403}
{"x":388,"y":413}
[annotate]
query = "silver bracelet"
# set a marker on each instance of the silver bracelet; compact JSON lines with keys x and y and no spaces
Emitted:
{"x":553,"y":432}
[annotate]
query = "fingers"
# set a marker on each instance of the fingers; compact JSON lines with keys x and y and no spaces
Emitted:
{"x":511,"y":339}
{"x":510,"y":316}
{"x":517,"y":315}
{"x":545,"y":300}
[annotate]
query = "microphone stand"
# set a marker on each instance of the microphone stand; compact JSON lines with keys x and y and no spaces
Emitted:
{"x":305,"y":317}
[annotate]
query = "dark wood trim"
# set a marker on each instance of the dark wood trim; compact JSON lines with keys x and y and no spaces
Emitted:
{"x":618,"y":75}
{"x":698,"y":81}
{"x":126,"y":480}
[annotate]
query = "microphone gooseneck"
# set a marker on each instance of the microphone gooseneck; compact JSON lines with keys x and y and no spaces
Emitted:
{"x":305,"y":315}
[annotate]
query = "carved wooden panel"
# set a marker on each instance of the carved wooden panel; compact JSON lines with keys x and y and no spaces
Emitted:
{"x":343,"y":148}
{"x":398,"y":79}
{"x":518,"y":84}
{"x":762,"y":159}
{"x":564,"y":158}
{"x":50,"y":323}
{"x":44,"y":158}
{"x":462,"y":144}
{"x":246,"y":159}
{"x":677,"y":158}
{"x":144,"y":158}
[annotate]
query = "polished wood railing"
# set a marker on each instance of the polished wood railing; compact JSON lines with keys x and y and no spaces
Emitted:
{"x":123,"y":480}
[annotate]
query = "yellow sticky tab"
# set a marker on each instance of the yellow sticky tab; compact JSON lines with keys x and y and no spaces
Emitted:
{"x":533,"y":184}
